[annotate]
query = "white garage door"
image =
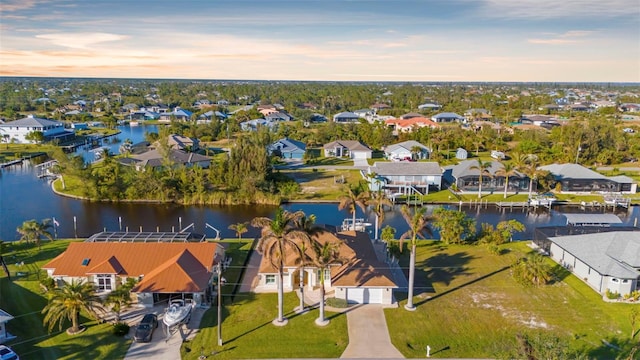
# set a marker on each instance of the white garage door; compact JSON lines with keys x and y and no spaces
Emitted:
{"x":359,"y":154}
{"x":364,"y":296}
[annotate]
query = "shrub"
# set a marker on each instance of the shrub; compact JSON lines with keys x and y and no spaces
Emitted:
{"x":120,"y":329}
{"x":612,"y":295}
{"x":337,"y":303}
{"x":48,"y":283}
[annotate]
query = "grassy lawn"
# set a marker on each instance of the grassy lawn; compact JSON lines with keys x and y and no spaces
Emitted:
{"x":247,"y":331}
{"x":468,"y":305}
{"x":21,"y":297}
{"x":322,"y":184}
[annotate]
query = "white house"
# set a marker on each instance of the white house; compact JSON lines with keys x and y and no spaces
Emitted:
{"x":405,"y":150}
{"x":347,"y":148}
{"x":17,"y":131}
{"x":362,"y":278}
{"x":604,"y":260}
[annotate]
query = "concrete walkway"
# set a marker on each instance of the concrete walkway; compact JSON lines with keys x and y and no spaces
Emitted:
{"x":368,"y":334}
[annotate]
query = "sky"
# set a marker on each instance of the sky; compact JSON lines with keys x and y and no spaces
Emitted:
{"x":336,"y":40}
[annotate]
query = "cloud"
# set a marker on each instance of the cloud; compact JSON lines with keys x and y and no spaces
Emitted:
{"x":569,"y":37}
{"x":559,"y":9}
{"x":80,"y":40}
{"x":15,"y":5}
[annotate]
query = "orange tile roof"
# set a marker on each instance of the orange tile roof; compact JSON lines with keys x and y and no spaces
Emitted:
{"x":174,"y":266}
{"x":361,"y":267}
{"x":414,"y":121}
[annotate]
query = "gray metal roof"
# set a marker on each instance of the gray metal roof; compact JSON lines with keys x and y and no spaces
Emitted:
{"x":32,"y":122}
{"x":615,"y":253}
{"x":408,"y":145}
{"x":406,"y":168}
{"x":592,"y":219}
{"x":352,"y":145}
{"x":571,"y":171}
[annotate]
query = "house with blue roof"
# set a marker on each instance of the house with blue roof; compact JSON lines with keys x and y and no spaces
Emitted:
{"x":447,"y":117}
{"x":177,"y":114}
{"x":288,"y":149}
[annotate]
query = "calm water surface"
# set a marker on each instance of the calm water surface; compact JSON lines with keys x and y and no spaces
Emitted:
{"x":23,"y":197}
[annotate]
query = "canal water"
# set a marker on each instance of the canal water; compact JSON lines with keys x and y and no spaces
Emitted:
{"x":23,"y":196}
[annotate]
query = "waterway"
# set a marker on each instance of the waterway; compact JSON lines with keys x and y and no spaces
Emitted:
{"x":23,"y":196}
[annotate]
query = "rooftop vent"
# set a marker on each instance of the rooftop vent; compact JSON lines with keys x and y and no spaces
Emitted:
{"x":85,"y":261}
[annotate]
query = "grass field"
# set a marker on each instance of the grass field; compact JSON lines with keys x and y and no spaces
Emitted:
{"x":325,"y":185}
{"x":468,"y":305}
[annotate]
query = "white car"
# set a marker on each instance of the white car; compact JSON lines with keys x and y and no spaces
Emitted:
{"x":7,"y":354}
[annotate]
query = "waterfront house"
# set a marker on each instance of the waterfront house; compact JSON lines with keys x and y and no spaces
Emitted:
{"x":605,"y":258}
{"x":362,"y":278}
{"x":144,"y":115}
{"x":577,"y":178}
{"x":347,"y":148}
{"x":154,"y":158}
{"x":165,"y":265}
{"x":207,"y":117}
{"x":183,"y":143}
{"x":405,"y":150}
{"x":466,"y":177}
{"x":406,"y":177}
{"x":288,"y":149}
{"x":177,"y":114}
{"x":17,"y":131}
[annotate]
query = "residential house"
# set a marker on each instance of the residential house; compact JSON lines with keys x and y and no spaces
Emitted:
{"x":4,"y":334}
{"x":365,"y":113}
{"x":406,"y":177}
{"x":346,"y":117}
{"x":411,"y":115}
{"x":157,"y":108}
{"x":406,"y":150}
{"x":605,"y":258}
{"x":362,"y":278}
{"x":447,"y":117}
{"x":347,"y":148}
{"x":279,"y":116}
{"x":206,"y":118}
{"x":408,"y":125}
{"x":380,"y":106}
{"x":177,"y":114}
{"x":165,"y":265}
{"x":430,"y":106}
{"x":628,"y":107}
{"x":477,"y":114}
{"x":288,"y":149}
{"x":253,"y":125}
{"x":466,"y":178}
{"x":577,"y":178}
{"x":545,"y":121}
{"x":155,"y":159}
{"x":144,"y":115}
{"x":17,"y":131}
{"x":183,"y":143}
{"x":318,"y":118}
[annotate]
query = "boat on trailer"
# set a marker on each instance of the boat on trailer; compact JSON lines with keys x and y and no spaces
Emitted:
{"x":178,"y":312}
{"x":360,"y":225}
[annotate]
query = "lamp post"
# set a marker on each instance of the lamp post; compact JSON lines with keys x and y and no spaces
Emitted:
{"x":219,"y":271}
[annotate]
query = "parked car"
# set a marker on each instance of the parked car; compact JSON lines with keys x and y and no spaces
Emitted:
{"x":7,"y":354}
{"x":144,"y":330}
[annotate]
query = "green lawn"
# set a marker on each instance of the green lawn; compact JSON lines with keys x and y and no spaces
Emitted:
{"x":468,"y":305}
{"x":325,"y":185}
{"x":248,"y":333}
{"x":21,"y":297}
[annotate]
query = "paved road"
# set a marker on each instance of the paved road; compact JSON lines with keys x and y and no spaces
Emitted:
{"x":369,"y":335}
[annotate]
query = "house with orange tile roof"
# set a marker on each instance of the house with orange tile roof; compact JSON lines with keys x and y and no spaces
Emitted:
{"x":361,"y":278}
{"x":409,"y":124}
{"x":163,"y":270}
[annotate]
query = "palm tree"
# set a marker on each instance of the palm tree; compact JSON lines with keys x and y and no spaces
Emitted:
{"x":66,"y":302}
{"x":378,"y":201}
{"x":31,"y":230}
{"x":532,"y":269}
{"x":531,"y":170}
{"x":415,"y":151}
{"x":308,"y":225}
{"x":353,"y":199}
{"x":483,"y":168}
{"x":507,"y":170}
{"x":279,"y":235}
{"x":418,"y":226}
{"x":120,"y":298}
{"x":324,"y":255}
{"x":240,"y":228}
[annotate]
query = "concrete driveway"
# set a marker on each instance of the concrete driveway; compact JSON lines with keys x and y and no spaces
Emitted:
{"x":162,"y":347}
{"x":368,"y":334}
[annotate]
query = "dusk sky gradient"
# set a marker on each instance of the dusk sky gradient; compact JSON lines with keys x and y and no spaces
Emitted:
{"x":355,"y":40}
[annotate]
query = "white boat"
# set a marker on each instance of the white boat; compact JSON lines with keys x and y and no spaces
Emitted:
{"x":360,"y":225}
{"x":179,"y":311}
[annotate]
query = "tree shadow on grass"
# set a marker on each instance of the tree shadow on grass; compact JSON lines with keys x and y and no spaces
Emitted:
{"x":615,"y":348}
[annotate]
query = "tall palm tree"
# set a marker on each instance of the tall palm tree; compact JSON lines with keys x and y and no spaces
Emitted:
{"x":279,"y":235}
{"x":66,"y":302}
{"x":308,"y":225}
{"x":31,"y":230}
{"x":324,"y":256}
{"x":240,"y":228}
{"x":120,"y":298}
{"x":507,"y":170}
{"x":418,"y":225}
{"x":483,"y":168}
{"x":416,"y":151}
{"x":354,"y":198}
{"x":378,"y":201}
{"x":531,"y":170}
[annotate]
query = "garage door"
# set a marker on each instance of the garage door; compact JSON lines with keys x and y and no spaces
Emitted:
{"x":359,"y":154}
{"x":364,"y":296}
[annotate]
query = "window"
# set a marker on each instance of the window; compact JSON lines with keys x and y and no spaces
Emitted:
{"x":270,"y":279}
{"x":625,"y":281}
{"x":104,"y":283}
{"x":614,"y":280}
